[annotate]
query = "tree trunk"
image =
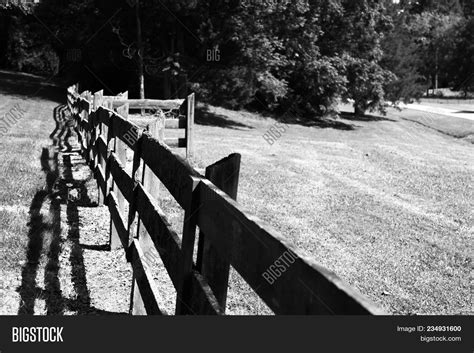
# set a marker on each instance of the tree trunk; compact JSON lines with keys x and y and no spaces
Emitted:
{"x":358,"y":109}
{"x":141,"y":77}
{"x":436,"y":69}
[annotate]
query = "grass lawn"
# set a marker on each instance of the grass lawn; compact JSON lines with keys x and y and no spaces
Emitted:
{"x":384,"y":202}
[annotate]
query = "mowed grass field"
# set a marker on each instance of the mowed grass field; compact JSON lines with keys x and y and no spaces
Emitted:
{"x":387,"y":203}
{"x":384,"y":202}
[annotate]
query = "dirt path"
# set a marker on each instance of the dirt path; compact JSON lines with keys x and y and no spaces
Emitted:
{"x":455,"y":111}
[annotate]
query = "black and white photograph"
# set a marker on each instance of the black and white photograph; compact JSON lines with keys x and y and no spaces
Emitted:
{"x":240,"y":158}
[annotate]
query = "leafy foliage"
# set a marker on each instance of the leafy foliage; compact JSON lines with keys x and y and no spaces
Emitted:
{"x":462,"y":65}
{"x":303,"y":54}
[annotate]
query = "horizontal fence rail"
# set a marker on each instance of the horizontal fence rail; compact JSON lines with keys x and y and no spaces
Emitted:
{"x":228,"y":234}
{"x":148,"y":103}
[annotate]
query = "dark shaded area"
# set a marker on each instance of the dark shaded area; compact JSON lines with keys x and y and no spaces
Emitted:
{"x":207,"y":118}
{"x":45,"y":224}
{"x":465,"y":112}
{"x":317,"y":122}
{"x":103,"y":247}
{"x":324,"y":123}
{"x":354,"y":117}
{"x":30,"y":87}
{"x":4,"y":26}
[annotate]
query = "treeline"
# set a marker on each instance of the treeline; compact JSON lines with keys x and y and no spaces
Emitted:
{"x":266,"y":54}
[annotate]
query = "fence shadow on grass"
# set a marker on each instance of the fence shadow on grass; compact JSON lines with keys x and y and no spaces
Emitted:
{"x":44,"y":221}
{"x":44,"y":237}
{"x":65,"y":127}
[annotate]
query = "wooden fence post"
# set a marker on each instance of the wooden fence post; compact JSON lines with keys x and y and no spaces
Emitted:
{"x":190,"y":125}
{"x":90,"y":100}
{"x":84,"y":133}
{"x":94,"y":155}
{"x":137,"y":306}
{"x":120,"y":150}
{"x":215,"y":268}
{"x":150,"y":182}
{"x":184,"y":289}
{"x":96,"y":128}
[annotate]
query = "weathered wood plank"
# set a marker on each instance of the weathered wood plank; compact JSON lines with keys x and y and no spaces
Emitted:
{"x":179,"y":123}
{"x":202,"y":300}
{"x":120,"y":150}
{"x":190,"y":126}
{"x":149,"y":103}
{"x":101,"y":148}
{"x":103,"y":115}
{"x":142,"y":122}
{"x":144,"y":279}
{"x":98,"y":99}
{"x":172,"y":170}
{"x":160,"y":231}
{"x":137,"y":307}
{"x":214,"y":267}
{"x":184,"y":289}
{"x":175,"y":142}
{"x":99,"y":175}
{"x":296,"y":285}
{"x":122,"y":180}
{"x":117,"y":219}
{"x":91,"y":138}
{"x":168,"y":244}
{"x":125,"y":131}
{"x":122,"y":95}
{"x":95,"y":130}
{"x":150,"y":182}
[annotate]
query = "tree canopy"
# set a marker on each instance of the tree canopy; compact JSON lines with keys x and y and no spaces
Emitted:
{"x":271,"y":55}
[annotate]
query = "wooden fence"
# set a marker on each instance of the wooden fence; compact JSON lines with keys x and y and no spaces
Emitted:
{"x":184,"y":120}
{"x":228,"y":235}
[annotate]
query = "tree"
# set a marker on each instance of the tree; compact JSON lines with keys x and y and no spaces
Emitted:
{"x":140,"y":52}
{"x":315,"y":67}
{"x":364,"y":25}
{"x":420,"y":49}
{"x":462,"y":64}
{"x":402,"y":56}
{"x":435,"y":35}
{"x":274,"y":55}
{"x":251,"y":56}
